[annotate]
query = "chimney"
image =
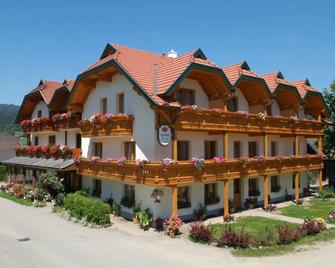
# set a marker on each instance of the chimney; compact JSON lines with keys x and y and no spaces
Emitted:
{"x":172,"y":54}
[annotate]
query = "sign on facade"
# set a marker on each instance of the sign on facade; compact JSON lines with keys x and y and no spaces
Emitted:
{"x":164,"y":135}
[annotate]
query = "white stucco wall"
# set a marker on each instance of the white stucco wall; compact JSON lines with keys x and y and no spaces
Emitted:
{"x":43,"y":137}
{"x":201,"y":99}
{"x":243,"y":105}
{"x":40,"y":106}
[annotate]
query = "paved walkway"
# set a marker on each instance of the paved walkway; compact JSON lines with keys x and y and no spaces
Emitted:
{"x":52,"y":241}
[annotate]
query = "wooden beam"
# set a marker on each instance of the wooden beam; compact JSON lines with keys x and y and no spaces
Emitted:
{"x":320,"y":145}
{"x":266,"y":191}
{"x":320,"y":180}
{"x":265,"y":145}
{"x":225,"y":198}
{"x":174,"y":204}
{"x":174,"y":146}
{"x":296,"y":188}
{"x":296,"y":144}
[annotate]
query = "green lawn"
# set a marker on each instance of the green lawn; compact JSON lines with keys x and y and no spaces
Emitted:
{"x":15,"y":199}
{"x":261,"y":226}
{"x":250,"y":225}
{"x":316,"y":207}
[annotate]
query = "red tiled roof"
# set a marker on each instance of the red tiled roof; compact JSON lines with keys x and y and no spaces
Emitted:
{"x":68,"y":83}
{"x":140,"y":64}
{"x":303,"y":86}
{"x":47,"y":88}
{"x":234,"y":71}
{"x":274,"y":79}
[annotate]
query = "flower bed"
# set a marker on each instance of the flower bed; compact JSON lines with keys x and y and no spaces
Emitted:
{"x":55,"y":151}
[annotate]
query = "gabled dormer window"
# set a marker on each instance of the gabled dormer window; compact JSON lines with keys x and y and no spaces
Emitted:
{"x":269,"y":110}
{"x":103,"y":105}
{"x":185,"y":96}
{"x":39,"y":113}
{"x":120,"y":103}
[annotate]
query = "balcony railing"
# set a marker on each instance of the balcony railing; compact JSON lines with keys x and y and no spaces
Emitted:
{"x":51,"y":151}
{"x":154,"y":173}
{"x":241,"y":122}
{"x":107,"y":125}
{"x":66,"y":121}
{"x":37,"y":125}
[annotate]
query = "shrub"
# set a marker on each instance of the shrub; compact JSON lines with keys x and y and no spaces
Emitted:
{"x":200,"y":213}
{"x":59,"y":199}
{"x":200,"y":233}
{"x":159,"y":224}
{"x":115,"y":209}
{"x":81,"y":207}
{"x":172,"y":225}
{"x":287,"y":234}
{"x":313,"y":226}
{"x":50,"y":183}
{"x":84,"y":192}
{"x":144,"y":218}
{"x":232,"y":238}
{"x":326,"y":192}
{"x":332,"y":215}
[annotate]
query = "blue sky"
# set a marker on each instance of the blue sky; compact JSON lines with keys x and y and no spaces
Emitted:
{"x":58,"y":39}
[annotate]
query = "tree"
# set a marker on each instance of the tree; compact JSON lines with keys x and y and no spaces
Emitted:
{"x":329,"y":131}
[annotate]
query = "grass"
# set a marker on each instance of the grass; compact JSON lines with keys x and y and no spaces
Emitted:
{"x":250,"y":225}
{"x":316,"y":207}
{"x":15,"y":199}
{"x":259,"y":226}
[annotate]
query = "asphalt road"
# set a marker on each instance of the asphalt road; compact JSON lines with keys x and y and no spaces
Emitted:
{"x":52,"y":241}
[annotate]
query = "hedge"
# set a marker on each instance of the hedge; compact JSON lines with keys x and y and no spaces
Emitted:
{"x":88,"y":209}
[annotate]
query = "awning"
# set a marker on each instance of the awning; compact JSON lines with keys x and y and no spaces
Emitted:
{"x":42,"y":163}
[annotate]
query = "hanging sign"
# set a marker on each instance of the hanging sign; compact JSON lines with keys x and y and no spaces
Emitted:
{"x":164,"y":135}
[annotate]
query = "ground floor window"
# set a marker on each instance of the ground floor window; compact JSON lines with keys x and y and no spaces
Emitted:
{"x":128,"y":199}
{"x":184,"y":200}
{"x":96,"y":188}
{"x":211,"y":194}
{"x":293,"y":181}
{"x":253,"y":187}
{"x":275,"y":187}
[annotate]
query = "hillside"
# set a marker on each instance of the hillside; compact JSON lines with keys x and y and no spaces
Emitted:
{"x":8,"y":114}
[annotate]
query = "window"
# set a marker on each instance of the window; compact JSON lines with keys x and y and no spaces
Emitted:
{"x":52,"y":139}
{"x":269,"y":110}
{"x":183,"y":150}
{"x":120,"y":103}
{"x":293,"y":181}
{"x":97,"y":149}
{"x":252,"y":148}
{"x":96,"y":188}
{"x":273,"y":148}
{"x":253,"y":188}
{"x":129,"y":150}
{"x":232,"y":104}
{"x":103,"y":105}
{"x":210,"y":149}
{"x":237,"y":149}
{"x":36,"y":140}
{"x":185,"y":96}
{"x":78,"y":140}
{"x":39,"y":113}
{"x":275,"y":187}
{"x":128,"y":199}
{"x":184,"y":197}
{"x":211,"y":194}
{"x":65,"y":138}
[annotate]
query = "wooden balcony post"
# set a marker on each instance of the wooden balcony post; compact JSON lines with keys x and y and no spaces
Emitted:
{"x":174,"y":146}
{"x":320,"y":180}
{"x":296,"y":188}
{"x":24,"y":175}
{"x":225,"y":198}
{"x":174,"y":200}
{"x":266,"y":191}
{"x":266,"y":144}
{"x":226,"y":145}
{"x":320,"y":146}
{"x":296,"y":144}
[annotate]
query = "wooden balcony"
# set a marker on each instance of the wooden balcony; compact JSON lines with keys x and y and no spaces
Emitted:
{"x":212,"y":120}
{"x":43,"y":124}
{"x":66,"y":121}
{"x":117,"y":126}
{"x":153,"y":173}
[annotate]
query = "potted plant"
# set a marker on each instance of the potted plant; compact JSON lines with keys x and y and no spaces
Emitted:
{"x":144,"y":218}
{"x":136,"y":209}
